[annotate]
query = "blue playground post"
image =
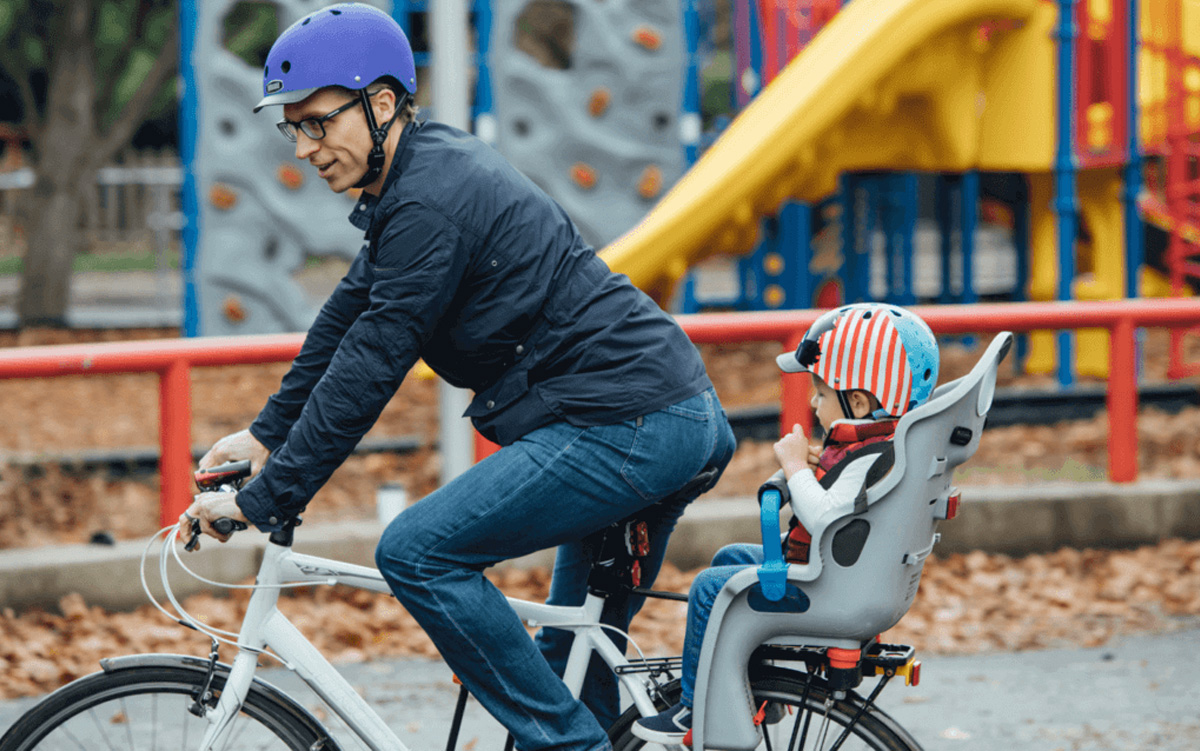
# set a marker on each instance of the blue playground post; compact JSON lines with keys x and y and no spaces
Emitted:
{"x":1134,"y":251}
{"x":691,"y":114}
{"x":902,"y":200}
{"x":188,"y":122}
{"x":483,"y":80}
{"x":1021,"y":230}
{"x":1066,"y":201}
{"x":943,"y":197}
{"x":968,"y":221}
{"x":857,"y":224}
{"x":401,"y":11}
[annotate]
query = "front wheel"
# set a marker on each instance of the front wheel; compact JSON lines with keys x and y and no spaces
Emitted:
{"x":794,"y":721}
{"x":148,"y":708}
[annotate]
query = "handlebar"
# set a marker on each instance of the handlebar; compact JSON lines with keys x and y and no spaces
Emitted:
{"x":223,"y":526}
{"x":230,"y":473}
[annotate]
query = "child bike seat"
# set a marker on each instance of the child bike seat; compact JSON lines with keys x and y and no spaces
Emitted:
{"x":864,"y":563}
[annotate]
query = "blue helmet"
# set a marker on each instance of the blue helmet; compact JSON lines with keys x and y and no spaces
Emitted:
{"x":348,"y":44}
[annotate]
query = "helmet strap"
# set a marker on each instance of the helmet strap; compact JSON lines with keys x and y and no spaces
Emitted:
{"x":844,"y":400}
{"x":376,"y":157}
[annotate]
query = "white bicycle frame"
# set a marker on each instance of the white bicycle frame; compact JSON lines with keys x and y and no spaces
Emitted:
{"x":264,"y":626}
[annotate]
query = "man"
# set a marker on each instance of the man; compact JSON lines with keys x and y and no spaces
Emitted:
{"x":600,"y":403}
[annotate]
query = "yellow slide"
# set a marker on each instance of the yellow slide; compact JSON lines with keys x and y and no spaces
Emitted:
{"x":942,"y":85}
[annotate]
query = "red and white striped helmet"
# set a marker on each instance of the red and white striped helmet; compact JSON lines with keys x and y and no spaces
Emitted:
{"x":882,"y":349}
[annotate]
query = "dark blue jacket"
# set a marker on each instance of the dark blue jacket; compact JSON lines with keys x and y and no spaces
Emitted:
{"x":472,"y":267}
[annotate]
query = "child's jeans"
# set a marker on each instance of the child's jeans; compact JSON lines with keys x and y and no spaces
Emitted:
{"x":728,"y":561}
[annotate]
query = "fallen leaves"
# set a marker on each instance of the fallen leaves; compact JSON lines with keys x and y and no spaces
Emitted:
{"x":966,"y":604}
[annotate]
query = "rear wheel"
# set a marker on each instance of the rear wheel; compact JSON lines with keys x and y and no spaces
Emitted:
{"x":793,"y":720}
{"x":148,"y":708}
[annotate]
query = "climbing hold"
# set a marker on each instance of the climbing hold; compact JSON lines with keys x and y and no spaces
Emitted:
{"x":222,"y":196}
{"x":598,"y":102}
{"x":773,"y":264}
{"x":290,"y":175}
{"x":583,"y":175}
{"x":648,"y":37}
{"x":233,"y":309}
{"x":774,"y":296}
{"x":650,"y":183}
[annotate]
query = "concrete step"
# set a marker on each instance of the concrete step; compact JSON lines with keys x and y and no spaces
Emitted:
{"x":1007,"y":519}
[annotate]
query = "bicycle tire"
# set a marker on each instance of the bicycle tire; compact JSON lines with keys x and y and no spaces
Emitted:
{"x":875,"y":730}
{"x":107,"y":707}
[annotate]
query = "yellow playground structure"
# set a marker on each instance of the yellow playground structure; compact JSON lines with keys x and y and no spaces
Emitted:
{"x":954,"y":86}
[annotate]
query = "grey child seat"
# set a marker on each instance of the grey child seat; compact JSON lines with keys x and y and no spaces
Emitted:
{"x":863,"y":568}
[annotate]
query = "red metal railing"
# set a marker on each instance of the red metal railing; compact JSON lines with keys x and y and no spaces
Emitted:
{"x":173,"y":360}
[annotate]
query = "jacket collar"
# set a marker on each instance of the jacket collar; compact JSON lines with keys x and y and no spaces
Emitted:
{"x":364,"y":208}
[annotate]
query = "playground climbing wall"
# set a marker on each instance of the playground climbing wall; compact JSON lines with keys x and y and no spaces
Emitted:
{"x":595,"y":123}
{"x":586,"y":103}
{"x":257,"y":214}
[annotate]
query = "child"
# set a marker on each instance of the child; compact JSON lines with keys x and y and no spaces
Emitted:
{"x":871,"y":364}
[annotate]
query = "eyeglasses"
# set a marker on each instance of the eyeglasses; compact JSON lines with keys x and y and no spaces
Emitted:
{"x":313,"y":127}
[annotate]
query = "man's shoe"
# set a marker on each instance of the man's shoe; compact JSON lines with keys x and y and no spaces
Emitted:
{"x":668,"y":727}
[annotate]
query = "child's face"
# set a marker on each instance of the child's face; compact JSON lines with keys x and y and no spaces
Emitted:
{"x":826,"y":404}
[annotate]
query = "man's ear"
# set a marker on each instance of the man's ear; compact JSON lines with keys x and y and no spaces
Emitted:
{"x":385,"y":105}
{"x":860,"y":404}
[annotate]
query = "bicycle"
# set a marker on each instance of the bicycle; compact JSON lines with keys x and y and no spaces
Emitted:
{"x":179,"y":701}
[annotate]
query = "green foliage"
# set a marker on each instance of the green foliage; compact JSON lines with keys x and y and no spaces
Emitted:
{"x":126,"y":36}
{"x":250,"y":29}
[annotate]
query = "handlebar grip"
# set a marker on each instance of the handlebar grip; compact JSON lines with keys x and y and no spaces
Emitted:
{"x":227,"y":526}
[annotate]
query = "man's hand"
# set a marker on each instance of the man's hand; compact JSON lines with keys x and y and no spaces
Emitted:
{"x":234,"y":448}
{"x":793,"y":452}
{"x":208,"y":507}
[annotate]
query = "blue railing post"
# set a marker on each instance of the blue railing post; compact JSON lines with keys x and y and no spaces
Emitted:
{"x":1066,"y":202}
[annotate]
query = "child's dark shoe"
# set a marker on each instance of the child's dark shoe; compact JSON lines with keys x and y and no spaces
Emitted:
{"x":668,"y":727}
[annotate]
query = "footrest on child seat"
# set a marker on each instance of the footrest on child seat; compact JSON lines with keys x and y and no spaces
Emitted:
{"x":898,"y":659}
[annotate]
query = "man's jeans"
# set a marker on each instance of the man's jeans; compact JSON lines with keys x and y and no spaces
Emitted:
{"x":728,"y":561}
{"x":551,"y":488}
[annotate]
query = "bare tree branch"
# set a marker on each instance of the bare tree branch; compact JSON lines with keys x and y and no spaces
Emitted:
{"x":165,"y":67}
{"x":109,"y":85}
{"x":33,"y":119}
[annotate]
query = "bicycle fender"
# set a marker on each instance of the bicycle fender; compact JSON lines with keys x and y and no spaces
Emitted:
{"x":200,"y":665}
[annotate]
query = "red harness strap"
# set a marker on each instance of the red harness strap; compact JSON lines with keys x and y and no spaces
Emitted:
{"x":843,"y":439}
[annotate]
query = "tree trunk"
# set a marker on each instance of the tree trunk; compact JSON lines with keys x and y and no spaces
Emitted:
{"x":65,"y":160}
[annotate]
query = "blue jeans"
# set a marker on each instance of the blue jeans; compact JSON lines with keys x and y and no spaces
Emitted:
{"x":551,"y":488}
{"x":728,"y":561}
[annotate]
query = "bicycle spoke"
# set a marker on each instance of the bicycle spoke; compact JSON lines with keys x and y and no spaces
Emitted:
{"x":100,"y":729}
{"x":824,"y":726}
{"x":232,"y":736}
{"x":127,"y":720}
{"x":74,"y":740}
{"x":800,"y":715}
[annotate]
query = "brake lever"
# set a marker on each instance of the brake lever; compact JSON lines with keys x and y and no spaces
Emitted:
{"x":194,"y":540}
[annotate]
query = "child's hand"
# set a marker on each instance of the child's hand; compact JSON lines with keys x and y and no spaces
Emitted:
{"x":793,"y":451}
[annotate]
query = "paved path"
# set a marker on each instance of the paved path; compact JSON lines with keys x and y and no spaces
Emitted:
{"x":1136,"y":693}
